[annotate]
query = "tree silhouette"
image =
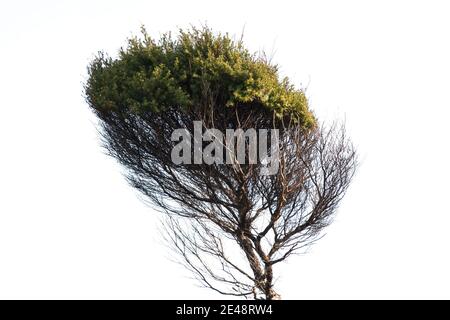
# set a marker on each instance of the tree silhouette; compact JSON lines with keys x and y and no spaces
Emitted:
{"x":230,"y":222}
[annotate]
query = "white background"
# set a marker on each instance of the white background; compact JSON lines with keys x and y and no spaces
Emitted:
{"x":70,"y":226}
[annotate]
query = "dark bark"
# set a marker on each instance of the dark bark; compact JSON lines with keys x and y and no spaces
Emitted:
{"x":211,"y":208}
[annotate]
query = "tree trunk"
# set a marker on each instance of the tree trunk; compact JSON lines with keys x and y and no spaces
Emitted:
{"x":268,"y":288}
{"x":272,"y":295}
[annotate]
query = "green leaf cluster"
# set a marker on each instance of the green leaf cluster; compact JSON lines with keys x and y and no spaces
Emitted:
{"x":196,"y":69}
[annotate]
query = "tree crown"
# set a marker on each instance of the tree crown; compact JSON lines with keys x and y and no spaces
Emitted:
{"x":195,"y":70}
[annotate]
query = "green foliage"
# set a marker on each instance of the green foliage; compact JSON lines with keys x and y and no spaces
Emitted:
{"x":197,"y":69}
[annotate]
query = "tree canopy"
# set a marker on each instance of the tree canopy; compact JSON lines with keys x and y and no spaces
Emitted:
{"x":189,"y":71}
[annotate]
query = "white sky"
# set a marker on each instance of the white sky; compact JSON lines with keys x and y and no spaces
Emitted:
{"x":70,"y":226}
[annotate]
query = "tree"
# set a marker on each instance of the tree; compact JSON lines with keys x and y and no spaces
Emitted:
{"x":232,"y":222}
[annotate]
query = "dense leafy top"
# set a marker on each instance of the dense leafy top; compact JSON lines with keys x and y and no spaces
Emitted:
{"x":194,"y":70}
